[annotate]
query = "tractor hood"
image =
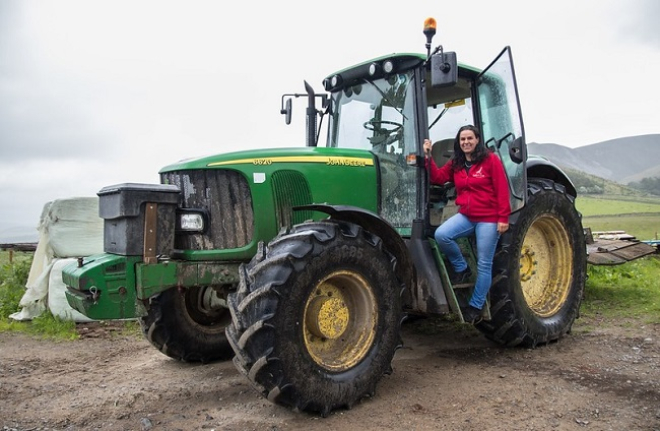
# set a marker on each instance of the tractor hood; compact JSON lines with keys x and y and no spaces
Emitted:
{"x":249,"y":196}
{"x":280,"y":157}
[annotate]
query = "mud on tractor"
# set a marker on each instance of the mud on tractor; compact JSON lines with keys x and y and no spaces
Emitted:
{"x":301,"y":263}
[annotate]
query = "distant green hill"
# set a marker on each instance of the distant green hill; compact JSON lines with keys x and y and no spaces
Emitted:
{"x":591,"y":184}
{"x":621,"y":160}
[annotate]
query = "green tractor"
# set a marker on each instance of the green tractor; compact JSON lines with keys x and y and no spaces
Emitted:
{"x":301,"y":263}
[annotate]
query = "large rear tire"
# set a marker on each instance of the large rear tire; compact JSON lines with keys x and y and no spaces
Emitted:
{"x":316,"y":318}
{"x":539,"y":270}
{"x":182,"y":327}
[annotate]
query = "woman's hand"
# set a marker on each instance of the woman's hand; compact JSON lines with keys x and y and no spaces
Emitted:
{"x":502,"y":227}
{"x":427,"y":147}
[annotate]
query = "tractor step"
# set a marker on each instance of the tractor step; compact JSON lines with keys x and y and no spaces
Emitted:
{"x":458,"y":295}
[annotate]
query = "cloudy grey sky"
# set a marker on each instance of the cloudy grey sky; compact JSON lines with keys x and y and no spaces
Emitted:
{"x":94,"y":93}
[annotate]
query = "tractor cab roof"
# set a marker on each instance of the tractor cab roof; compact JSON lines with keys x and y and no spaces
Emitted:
{"x":399,"y":62}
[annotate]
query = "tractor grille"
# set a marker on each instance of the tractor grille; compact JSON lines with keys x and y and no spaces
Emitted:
{"x":290,"y":189}
{"x":225,"y":195}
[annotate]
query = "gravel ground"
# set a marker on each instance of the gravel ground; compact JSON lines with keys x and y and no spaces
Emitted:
{"x":604,"y":376}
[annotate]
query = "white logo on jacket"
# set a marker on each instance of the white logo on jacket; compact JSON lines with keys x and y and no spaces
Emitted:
{"x":479,"y":173}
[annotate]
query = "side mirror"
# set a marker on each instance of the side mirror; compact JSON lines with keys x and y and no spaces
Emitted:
{"x":444,"y":69}
{"x":518,"y":150}
{"x":286,"y":110}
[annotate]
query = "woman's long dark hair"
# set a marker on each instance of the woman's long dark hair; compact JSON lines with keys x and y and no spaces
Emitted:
{"x":480,"y":151}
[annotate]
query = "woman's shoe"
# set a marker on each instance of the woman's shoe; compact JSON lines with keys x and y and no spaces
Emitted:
{"x":472,"y":315}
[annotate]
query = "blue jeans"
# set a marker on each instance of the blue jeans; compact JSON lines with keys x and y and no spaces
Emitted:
{"x":459,"y":226}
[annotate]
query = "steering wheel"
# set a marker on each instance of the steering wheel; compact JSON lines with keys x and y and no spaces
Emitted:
{"x":376,"y":126}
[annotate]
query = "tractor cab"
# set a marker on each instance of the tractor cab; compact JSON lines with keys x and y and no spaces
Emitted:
{"x":390,"y":104}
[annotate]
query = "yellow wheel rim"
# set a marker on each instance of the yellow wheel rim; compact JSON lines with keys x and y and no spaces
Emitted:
{"x":339,"y":323}
{"x":546,"y":266}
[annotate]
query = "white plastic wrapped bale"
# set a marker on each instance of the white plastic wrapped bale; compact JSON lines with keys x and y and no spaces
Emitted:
{"x":57,"y":303}
{"x":36,"y":288}
{"x":68,"y":228}
{"x":74,"y":227}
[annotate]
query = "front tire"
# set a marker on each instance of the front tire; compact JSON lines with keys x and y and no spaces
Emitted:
{"x":316,"y":317}
{"x":539,"y":270}
{"x":181,"y":327}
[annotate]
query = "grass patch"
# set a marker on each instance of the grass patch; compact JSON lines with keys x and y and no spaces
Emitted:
{"x":642,"y":226}
{"x":630,"y":290}
{"x":45,"y":326}
{"x":638,"y":216}
{"x":613,"y":205}
{"x":13,"y":278}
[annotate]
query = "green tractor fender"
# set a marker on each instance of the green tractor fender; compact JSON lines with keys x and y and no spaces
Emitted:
{"x":539,"y":167}
{"x":378,"y":226}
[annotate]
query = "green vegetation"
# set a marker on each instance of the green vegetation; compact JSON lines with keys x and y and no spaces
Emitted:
{"x":606,"y":205}
{"x":591,"y":184}
{"x":44,"y":326}
{"x":630,"y":290}
{"x":13,"y":277}
{"x":647,"y":185}
{"x":638,"y":216}
{"x":642,"y":226}
{"x":591,"y":206}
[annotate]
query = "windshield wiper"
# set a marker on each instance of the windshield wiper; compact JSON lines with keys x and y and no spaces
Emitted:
{"x":444,"y":111}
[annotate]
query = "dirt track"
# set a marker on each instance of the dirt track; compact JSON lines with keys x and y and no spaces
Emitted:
{"x":446,"y":377}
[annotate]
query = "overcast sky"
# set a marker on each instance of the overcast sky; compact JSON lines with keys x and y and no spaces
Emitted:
{"x":95,"y":93}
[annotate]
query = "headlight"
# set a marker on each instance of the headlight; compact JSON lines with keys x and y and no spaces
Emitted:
{"x":192,"y":222}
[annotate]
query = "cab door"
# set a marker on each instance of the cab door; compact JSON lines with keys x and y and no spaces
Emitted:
{"x":501,"y":122}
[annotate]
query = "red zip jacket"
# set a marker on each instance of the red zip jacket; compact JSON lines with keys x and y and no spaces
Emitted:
{"x":482,"y":194}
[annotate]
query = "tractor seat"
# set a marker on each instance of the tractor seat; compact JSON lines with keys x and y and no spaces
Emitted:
{"x":442,"y":150}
